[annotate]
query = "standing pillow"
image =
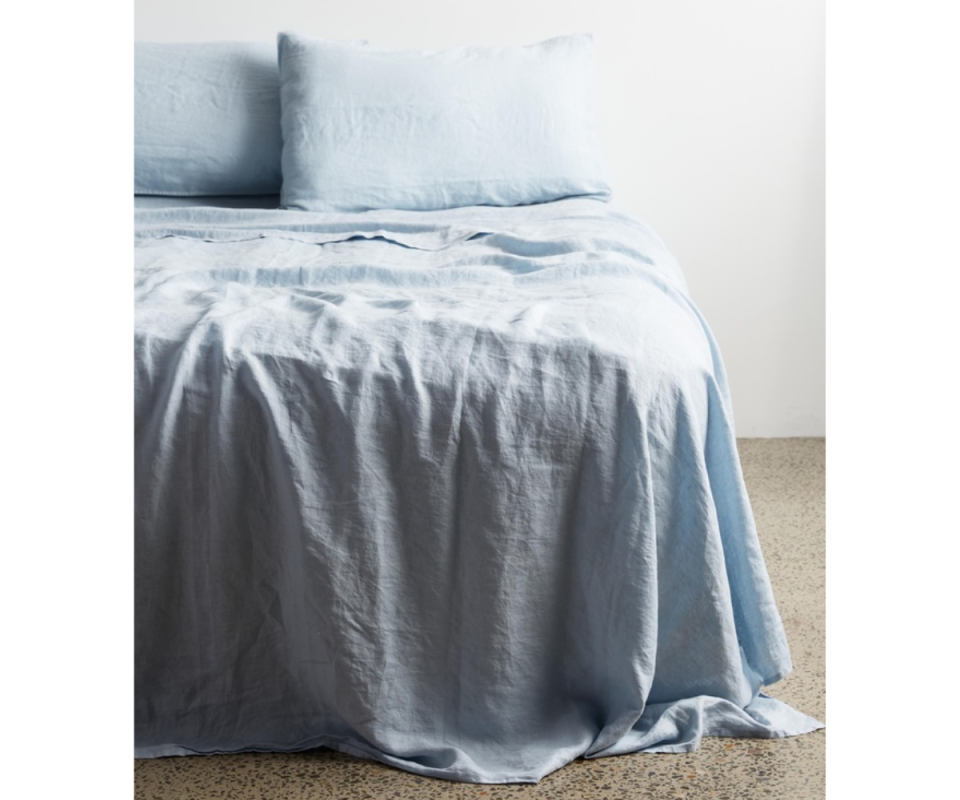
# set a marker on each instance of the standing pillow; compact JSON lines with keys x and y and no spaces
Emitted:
{"x":366,"y":129}
{"x":207,"y":119}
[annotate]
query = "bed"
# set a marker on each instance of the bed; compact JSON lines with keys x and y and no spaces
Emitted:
{"x":451,"y":487}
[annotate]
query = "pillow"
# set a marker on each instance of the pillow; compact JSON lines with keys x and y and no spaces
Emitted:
{"x":503,"y":126}
{"x":207,"y":119}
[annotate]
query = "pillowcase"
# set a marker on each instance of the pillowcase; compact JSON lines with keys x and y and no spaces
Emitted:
{"x":366,"y":129}
{"x":207,"y":119}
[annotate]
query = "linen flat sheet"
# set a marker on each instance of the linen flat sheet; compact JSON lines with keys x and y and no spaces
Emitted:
{"x":454,"y":490}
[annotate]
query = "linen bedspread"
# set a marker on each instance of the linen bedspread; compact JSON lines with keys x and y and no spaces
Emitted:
{"x":454,"y":490}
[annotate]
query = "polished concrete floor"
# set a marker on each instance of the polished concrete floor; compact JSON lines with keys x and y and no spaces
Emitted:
{"x":785,"y":478}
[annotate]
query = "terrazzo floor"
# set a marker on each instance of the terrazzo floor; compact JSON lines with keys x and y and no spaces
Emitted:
{"x":786,"y":482}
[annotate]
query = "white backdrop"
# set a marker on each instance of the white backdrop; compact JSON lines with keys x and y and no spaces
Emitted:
{"x":712,"y":123}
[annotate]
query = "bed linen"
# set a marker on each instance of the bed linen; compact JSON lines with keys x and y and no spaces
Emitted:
{"x":262,"y":201}
{"x":454,"y":490}
{"x":207,"y":118}
{"x":365,"y":128}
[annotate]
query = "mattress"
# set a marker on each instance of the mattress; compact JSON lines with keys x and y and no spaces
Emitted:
{"x":455,"y":490}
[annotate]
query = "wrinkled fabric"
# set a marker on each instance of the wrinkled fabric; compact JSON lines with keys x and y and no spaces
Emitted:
{"x":457,"y":491}
{"x":365,"y":128}
{"x":207,"y":118}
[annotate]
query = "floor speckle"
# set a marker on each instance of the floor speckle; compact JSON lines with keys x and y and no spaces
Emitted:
{"x":786,"y":482}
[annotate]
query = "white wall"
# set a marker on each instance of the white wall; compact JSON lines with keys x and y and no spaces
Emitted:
{"x":712,"y":121}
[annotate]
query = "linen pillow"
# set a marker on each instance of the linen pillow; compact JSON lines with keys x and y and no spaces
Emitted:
{"x":207,"y":119}
{"x":367,"y":129}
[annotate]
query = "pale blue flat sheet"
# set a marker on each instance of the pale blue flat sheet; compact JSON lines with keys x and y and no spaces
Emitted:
{"x":454,"y":490}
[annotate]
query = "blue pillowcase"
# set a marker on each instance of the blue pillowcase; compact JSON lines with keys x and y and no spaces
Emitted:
{"x":207,"y":119}
{"x":367,"y":129}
